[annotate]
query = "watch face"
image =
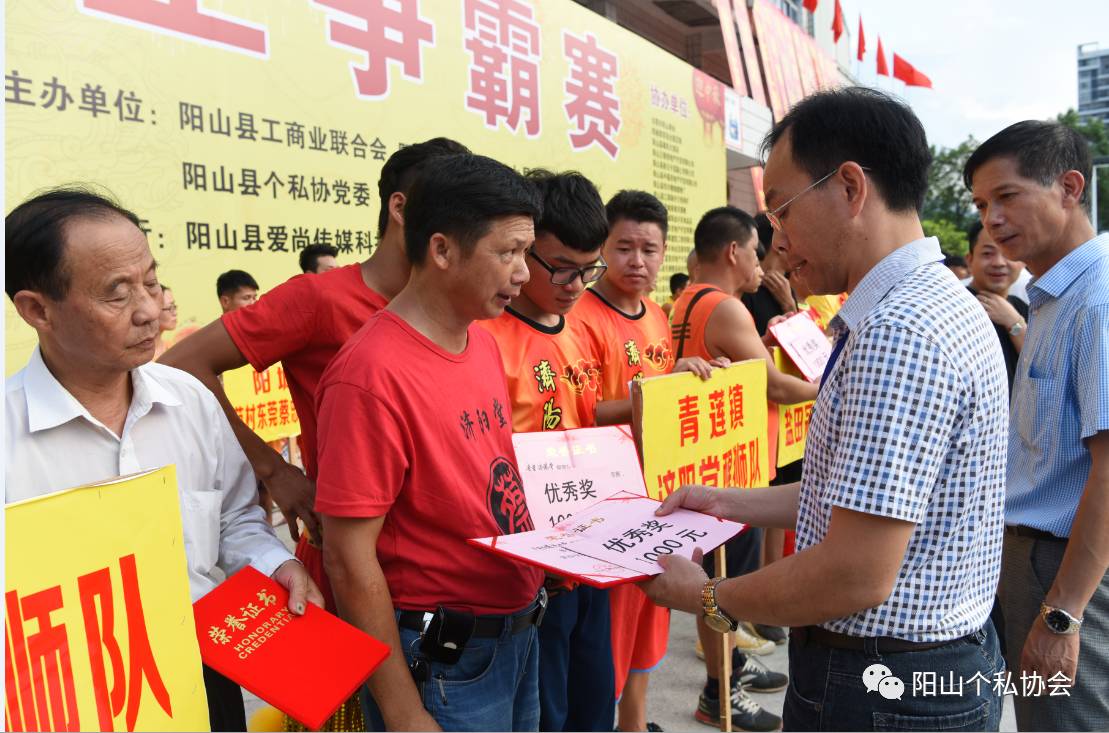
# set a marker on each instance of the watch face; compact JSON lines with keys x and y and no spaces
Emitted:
{"x":1057,"y":621}
{"x":719,"y":624}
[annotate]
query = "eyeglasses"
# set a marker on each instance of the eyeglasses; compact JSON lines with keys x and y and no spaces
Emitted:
{"x":772,"y":216}
{"x":567,"y":275}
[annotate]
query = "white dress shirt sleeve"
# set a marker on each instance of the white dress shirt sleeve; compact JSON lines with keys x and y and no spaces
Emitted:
{"x":246,"y":537}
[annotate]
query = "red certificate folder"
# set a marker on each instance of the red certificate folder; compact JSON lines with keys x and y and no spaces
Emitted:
{"x":306,"y":666}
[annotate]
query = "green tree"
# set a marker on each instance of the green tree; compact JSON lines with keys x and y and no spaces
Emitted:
{"x":953,"y":238}
{"x":1094,"y":130}
{"x":948,"y":198}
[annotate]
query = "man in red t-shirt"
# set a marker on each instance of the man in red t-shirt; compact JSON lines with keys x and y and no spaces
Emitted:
{"x":302,"y":324}
{"x":554,"y":381}
{"x":397,"y":509}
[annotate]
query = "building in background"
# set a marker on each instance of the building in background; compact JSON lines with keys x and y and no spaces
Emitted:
{"x":765,"y":55}
{"x":1093,"y":82}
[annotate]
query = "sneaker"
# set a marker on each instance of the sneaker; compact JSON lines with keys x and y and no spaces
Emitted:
{"x":654,"y":728}
{"x":775,"y":634}
{"x":747,"y":715}
{"x":748,"y":642}
{"x":755,"y":676}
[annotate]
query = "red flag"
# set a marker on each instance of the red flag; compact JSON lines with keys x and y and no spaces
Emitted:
{"x":810,"y":5}
{"x":862,"y":40}
{"x":837,"y":23}
{"x":908,"y":73}
{"x":883,"y":69}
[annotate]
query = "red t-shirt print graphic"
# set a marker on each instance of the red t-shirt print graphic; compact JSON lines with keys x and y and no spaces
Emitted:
{"x":505,"y":497}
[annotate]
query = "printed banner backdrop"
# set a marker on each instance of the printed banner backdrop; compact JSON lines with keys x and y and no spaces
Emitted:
{"x":705,"y":432}
{"x":795,"y":65}
{"x":793,"y":420}
{"x":99,"y":622}
{"x":242,"y":131}
{"x":263,"y":402}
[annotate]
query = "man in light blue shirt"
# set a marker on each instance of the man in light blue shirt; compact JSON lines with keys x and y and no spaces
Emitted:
{"x":1029,"y":183}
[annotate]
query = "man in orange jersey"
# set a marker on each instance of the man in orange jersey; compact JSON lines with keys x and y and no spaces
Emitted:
{"x":710,"y":321}
{"x":633,"y":337}
{"x":553,"y":372}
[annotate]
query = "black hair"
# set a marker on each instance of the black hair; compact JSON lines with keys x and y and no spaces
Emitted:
{"x":310,"y":256}
{"x":1043,"y":152}
{"x":639,"y":206}
{"x":720,"y":227}
{"x":35,"y":234}
{"x":866,"y":126}
{"x":460,"y":196}
{"x":232,"y":281}
{"x":954,"y":261}
{"x":572,"y":209}
{"x":972,"y":235}
{"x":765,"y":230}
{"x":403,"y":167}
{"x":678,"y":281}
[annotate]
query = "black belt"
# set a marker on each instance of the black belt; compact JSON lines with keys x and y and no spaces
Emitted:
{"x":820,"y":636}
{"x":1037,"y":534}
{"x":485,"y":627}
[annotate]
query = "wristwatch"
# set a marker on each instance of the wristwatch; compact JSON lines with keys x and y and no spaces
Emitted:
{"x":716,"y":618}
{"x":1017,"y":328}
{"x":1059,"y":621}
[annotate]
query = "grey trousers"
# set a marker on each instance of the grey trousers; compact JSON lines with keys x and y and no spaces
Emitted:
{"x":1028,"y":569}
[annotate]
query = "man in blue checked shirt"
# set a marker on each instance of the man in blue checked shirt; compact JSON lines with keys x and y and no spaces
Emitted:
{"x":1029,"y":184}
{"x":899,"y":513}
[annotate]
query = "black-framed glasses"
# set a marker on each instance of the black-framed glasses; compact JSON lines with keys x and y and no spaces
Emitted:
{"x":567,"y":275}
{"x":773,"y":216}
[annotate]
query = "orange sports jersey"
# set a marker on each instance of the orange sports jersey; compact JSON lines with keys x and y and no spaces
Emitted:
{"x":687,"y":330}
{"x":554,"y":373}
{"x":690,"y":333}
{"x":631,"y":347}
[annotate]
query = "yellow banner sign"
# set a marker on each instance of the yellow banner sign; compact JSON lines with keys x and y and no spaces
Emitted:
{"x":262,"y":401}
{"x":99,"y":620}
{"x":704,"y":432}
{"x":793,"y":420}
{"x":243,"y":131}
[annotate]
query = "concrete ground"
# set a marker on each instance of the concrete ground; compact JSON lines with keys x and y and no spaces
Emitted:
{"x":675,"y":685}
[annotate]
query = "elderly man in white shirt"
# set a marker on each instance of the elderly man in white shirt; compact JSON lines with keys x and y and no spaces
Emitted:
{"x":89,"y":406}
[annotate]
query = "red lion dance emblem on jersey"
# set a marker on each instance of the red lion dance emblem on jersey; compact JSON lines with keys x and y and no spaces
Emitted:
{"x":505,"y":497}
{"x":582,"y":375}
{"x":659,"y":356}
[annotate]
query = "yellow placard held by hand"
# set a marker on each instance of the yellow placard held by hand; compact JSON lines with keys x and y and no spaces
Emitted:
{"x":710,"y":432}
{"x":793,"y":420}
{"x":263,"y":401}
{"x":99,"y":618}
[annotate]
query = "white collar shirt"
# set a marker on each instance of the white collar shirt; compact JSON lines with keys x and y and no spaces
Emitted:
{"x":52,"y":442}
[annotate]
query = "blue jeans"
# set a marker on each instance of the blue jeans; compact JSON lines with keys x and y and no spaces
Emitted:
{"x":493,"y":687}
{"x":826,"y":689}
{"x":577,"y":687}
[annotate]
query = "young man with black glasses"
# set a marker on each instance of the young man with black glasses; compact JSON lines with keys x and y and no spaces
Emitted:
{"x":554,"y":380}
